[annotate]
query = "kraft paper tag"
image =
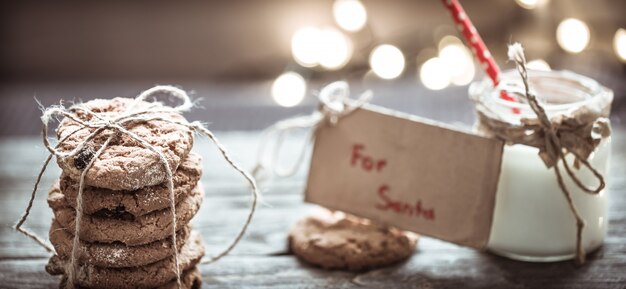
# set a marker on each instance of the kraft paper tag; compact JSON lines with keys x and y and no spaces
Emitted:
{"x":407,"y":172}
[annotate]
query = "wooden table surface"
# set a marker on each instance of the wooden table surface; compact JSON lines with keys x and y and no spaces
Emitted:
{"x":262,"y":259}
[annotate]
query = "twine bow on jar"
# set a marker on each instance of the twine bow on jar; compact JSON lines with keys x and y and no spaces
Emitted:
{"x":84,"y":156}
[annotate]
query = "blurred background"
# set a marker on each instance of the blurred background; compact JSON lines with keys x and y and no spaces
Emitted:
{"x":254,"y":62}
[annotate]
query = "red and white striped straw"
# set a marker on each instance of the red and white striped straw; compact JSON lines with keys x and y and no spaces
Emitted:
{"x":472,"y":38}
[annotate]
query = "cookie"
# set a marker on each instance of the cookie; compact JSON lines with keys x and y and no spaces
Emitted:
{"x":149,"y":276}
{"x":190,"y":279}
{"x":339,"y":241}
{"x":125,"y":164}
{"x":108,"y":202}
{"x":116,"y":254}
{"x":127,"y":229}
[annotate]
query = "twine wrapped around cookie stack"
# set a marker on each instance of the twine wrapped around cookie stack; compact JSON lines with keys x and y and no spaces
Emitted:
{"x":129,"y":187}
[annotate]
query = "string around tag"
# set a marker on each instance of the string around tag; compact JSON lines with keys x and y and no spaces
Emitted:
{"x":334,"y":104}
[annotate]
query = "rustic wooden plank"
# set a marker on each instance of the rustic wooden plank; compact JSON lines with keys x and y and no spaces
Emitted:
{"x":262,"y":259}
{"x":427,"y":269}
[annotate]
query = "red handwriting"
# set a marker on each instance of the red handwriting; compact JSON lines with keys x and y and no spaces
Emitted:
{"x":366,"y":162}
{"x":401,"y":207}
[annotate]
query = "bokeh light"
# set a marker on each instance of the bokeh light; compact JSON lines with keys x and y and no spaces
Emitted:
{"x":434,"y":74}
{"x":289,"y":89}
{"x":459,"y":63}
{"x":573,"y":35}
{"x":335,"y":49}
{"x":619,"y":44}
{"x":350,"y":14}
{"x":328,"y":47}
{"x":531,"y":4}
{"x":387,"y":61}
{"x":448,"y":40}
{"x":305,"y":45}
{"x":538,"y":64}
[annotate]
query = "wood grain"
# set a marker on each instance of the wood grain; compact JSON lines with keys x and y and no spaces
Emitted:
{"x":262,"y":259}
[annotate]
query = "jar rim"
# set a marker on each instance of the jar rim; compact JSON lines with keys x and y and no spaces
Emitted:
{"x":589,"y":89}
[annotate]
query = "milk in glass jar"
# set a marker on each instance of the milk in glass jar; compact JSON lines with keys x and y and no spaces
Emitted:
{"x":532,"y":219}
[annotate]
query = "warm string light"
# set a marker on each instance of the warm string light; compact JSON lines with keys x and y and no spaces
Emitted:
{"x":335,"y":49}
{"x":619,"y":44}
{"x":350,"y":14}
{"x":434,"y":75}
{"x":330,"y":49}
{"x":459,"y":62}
{"x":326,"y":47}
{"x":538,"y":64}
{"x":573,"y":35}
{"x":531,"y":4}
{"x":304,"y":46}
{"x":387,"y":61}
{"x":453,"y":65}
{"x":289,"y":89}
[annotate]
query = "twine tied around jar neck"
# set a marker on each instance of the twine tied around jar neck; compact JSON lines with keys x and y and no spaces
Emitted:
{"x":139,"y":111}
{"x":578,"y":133}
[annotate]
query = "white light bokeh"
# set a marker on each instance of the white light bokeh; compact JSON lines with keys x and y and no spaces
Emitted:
{"x":328,"y":47}
{"x":573,"y":35}
{"x":538,"y":64}
{"x":459,"y":63}
{"x":387,"y":61}
{"x":448,"y":40}
{"x":619,"y":44}
{"x":335,"y":49}
{"x":531,"y":4}
{"x":305,"y":45}
{"x":350,"y":14}
{"x":434,"y":74}
{"x":289,"y":89}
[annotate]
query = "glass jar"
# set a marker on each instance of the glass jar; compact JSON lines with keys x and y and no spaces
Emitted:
{"x":532,"y":220}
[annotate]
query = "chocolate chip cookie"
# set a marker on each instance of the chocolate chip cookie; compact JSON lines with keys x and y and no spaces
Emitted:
{"x":125,"y":164}
{"x":190,"y":279}
{"x":116,"y":254}
{"x":125,"y":228}
{"x":149,"y":276}
{"x":340,"y":241}
{"x":138,"y":202}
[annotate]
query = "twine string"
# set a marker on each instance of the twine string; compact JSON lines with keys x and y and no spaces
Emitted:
{"x":556,"y":152}
{"x":79,"y":216}
{"x":334,"y":104}
{"x":251,"y":181}
{"x":278,"y":132}
{"x":24,"y":216}
{"x":132,"y":114}
{"x":19,"y":225}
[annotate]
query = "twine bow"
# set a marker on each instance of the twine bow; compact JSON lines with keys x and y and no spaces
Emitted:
{"x":334,"y":104}
{"x":554,"y":138}
{"x":134,"y":113}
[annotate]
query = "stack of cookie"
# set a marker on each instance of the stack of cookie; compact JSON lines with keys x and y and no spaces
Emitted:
{"x":126,"y":225}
